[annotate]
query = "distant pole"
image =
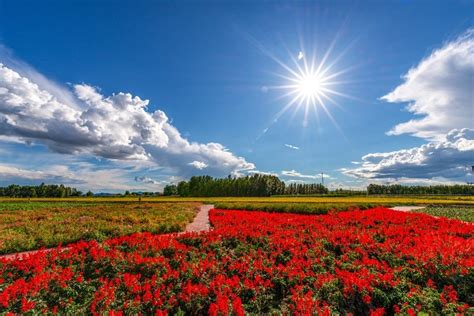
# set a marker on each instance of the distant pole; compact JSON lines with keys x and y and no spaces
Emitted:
{"x":322,"y":178}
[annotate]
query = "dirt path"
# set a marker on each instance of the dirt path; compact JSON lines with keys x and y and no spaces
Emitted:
{"x":201,"y":221}
{"x":414,"y":208}
{"x":407,"y":208}
{"x":199,"y":224}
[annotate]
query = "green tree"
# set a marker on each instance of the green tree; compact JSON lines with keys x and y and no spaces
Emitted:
{"x":170,"y":189}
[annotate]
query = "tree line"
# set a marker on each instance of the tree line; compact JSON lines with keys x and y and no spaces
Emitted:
{"x":397,"y":189}
{"x":305,"y":188}
{"x":42,"y":190}
{"x":254,"y":185}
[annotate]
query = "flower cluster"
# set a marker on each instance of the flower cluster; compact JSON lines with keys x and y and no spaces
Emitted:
{"x":376,"y":262}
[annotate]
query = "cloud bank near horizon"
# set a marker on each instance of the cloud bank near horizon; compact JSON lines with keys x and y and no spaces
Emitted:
{"x":449,"y":159}
{"x":440,"y":89}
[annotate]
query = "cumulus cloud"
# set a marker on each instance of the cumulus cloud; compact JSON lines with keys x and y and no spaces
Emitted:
{"x":198,"y":164}
{"x":440,"y":90}
{"x":116,"y":127}
{"x":292,"y":146}
{"x":449,"y":159}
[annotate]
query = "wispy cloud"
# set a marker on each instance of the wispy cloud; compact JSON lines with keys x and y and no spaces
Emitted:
{"x":268,"y":173}
{"x":292,"y":146}
{"x":81,"y":175}
{"x":296,"y":174}
{"x":145,"y":179}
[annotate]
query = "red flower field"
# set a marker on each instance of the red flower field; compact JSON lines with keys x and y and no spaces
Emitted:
{"x":376,"y":262}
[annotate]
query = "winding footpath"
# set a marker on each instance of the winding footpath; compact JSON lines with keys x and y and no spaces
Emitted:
{"x":199,"y":224}
{"x":407,"y":208}
{"x":201,"y":221}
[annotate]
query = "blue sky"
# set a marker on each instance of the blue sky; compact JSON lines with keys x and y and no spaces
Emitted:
{"x":210,"y":68}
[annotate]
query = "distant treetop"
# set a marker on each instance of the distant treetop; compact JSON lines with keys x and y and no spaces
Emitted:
{"x":42,"y":190}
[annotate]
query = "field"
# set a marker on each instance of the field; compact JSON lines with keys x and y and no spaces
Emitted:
{"x":299,"y":208}
{"x":464,"y":213}
{"x":28,"y":224}
{"x":362,"y":262}
{"x":353,"y":200}
{"x":32,"y":225}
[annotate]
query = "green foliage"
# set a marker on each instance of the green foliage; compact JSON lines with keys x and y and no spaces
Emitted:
{"x":42,"y":190}
{"x":170,"y":190}
{"x":398,"y":189}
{"x":255,"y":185}
{"x":305,"y":188}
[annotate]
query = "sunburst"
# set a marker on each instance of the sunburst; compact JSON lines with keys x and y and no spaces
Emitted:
{"x":310,"y":85}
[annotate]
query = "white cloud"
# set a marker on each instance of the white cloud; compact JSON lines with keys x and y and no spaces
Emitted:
{"x":267,"y":173}
{"x":295,"y":174}
{"x":292,"y":147}
{"x":440,"y":89}
{"x":80,"y":175}
{"x":146,"y":179}
{"x":295,"y":181}
{"x":347,"y":185}
{"x":117,"y":127}
{"x":11,"y":172}
{"x":198,"y":164}
{"x":448,"y":159}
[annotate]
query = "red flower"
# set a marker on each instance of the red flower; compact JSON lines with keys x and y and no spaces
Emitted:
{"x":377,"y":312}
{"x":367,"y":299}
{"x":300,"y":263}
{"x":237,"y":307}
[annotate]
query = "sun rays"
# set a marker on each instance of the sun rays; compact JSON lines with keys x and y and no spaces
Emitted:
{"x":310,"y":86}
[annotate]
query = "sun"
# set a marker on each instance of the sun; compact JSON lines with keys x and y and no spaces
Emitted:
{"x":311,"y":85}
